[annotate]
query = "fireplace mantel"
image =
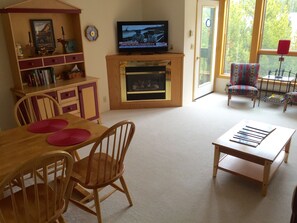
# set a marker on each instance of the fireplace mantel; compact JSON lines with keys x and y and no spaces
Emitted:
{"x":114,"y":66}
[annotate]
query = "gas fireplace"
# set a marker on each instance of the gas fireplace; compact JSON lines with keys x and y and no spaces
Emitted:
{"x":145,"y":80}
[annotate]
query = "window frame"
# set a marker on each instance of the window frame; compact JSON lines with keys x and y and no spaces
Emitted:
{"x":257,"y":35}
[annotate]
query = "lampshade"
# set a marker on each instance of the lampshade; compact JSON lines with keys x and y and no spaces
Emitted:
{"x":283,"y":47}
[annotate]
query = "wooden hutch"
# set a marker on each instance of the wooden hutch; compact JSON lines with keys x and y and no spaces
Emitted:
{"x":49,"y":71}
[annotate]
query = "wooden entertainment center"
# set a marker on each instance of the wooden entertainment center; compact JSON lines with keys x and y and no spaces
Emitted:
{"x":39,"y":70}
{"x":149,"y":68}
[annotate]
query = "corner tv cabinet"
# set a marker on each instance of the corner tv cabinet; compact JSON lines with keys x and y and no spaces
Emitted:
{"x":51,"y":71}
{"x":145,"y":80}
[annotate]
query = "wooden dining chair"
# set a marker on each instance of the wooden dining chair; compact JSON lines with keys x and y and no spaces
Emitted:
{"x":104,"y":166}
{"x":36,"y":199}
{"x":37,"y":107}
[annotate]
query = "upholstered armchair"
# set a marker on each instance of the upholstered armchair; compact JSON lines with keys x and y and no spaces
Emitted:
{"x":243,"y":80}
{"x":290,"y":97}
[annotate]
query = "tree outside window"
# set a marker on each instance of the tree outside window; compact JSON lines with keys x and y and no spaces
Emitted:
{"x":239,"y":32}
{"x":280,"y":22}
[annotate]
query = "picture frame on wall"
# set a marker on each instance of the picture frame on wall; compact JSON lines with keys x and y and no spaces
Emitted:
{"x":43,"y":36}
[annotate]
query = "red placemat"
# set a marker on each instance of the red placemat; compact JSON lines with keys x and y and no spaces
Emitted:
{"x":68,"y":137}
{"x":48,"y":125}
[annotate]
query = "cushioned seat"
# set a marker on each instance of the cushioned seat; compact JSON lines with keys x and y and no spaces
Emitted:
{"x":243,"y":90}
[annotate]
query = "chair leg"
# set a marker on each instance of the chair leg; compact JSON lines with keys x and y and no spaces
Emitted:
{"x":61,"y":220}
{"x":285,"y":106}
{"x":68,"y":193}
{"x":229,"y":98}
{"x":97,"y":205}
{"x":254,"y":99}
{"x":126,"y":190}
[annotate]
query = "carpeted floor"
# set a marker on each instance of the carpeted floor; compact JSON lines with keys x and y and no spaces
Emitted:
{"x":169,"y":167}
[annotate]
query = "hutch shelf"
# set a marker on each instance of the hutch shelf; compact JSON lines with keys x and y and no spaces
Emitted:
{"x":58,"y":71}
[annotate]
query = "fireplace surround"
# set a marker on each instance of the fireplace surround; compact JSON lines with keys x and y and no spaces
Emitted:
{"x":146,"y":86}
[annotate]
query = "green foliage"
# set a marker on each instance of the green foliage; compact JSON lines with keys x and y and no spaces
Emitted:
{"x":239,"y":36}
{"x":240,"y":26}
{"x":277,"y":25}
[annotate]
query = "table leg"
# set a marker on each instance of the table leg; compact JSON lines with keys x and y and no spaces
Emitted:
{"x":266,"y":174}
{"x":287,"y":150}
{"x":216,"y":160}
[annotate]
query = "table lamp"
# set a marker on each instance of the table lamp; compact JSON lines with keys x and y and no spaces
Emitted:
{"x":282,"y":49}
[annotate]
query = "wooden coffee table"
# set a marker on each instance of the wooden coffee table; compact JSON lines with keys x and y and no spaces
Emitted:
{"x":257,"y":163}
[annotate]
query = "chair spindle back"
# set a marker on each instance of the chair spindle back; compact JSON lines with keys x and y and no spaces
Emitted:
{"x":30,"y":197}
{"x":110,"y":149}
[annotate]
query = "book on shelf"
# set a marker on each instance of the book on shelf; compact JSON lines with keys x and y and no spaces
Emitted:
{"x":41,"y":77}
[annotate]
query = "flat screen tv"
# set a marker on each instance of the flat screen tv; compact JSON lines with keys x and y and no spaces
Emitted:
{"x":142,"y":36}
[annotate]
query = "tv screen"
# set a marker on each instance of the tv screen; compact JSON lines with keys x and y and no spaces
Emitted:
{"x":142,"y":36}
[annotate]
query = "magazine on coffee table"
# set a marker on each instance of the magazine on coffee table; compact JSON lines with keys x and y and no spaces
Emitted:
{"x":261,"y":128}
{"x":244,"y":142}
{"x":252,"y":134}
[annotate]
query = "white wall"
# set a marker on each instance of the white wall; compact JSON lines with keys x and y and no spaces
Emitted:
{"x":221,"y":85}
{"x":6,"y":82}
{"x":171,"y":10}
{"x":189,"y":49}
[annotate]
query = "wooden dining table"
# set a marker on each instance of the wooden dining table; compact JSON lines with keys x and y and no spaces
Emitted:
{"x":19,"y":145}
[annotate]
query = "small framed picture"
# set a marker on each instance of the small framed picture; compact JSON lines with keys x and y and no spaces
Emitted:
{"x":43,"y":35}
{"x":71,"y":46}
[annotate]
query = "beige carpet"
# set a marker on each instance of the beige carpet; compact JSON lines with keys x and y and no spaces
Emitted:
{"x":169,"y":167}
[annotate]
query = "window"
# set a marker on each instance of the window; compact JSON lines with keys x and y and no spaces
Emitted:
{"x":280,"y":22}
{"x":239,"y":32}
{"x":245,"y":41}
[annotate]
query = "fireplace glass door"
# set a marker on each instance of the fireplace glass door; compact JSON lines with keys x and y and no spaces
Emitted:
{"x":146,"y":81}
